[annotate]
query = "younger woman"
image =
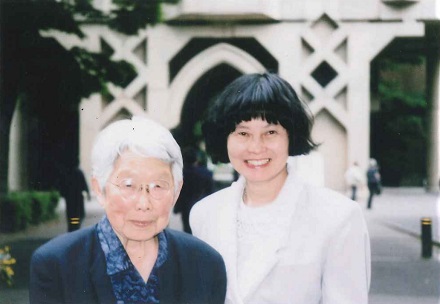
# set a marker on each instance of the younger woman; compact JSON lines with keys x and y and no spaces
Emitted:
{"x":282,"y":241}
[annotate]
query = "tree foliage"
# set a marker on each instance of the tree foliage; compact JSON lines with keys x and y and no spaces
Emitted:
{"x":399,"y":131}
{"x":50,"y":79}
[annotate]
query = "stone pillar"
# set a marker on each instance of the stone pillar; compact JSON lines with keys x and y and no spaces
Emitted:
{"x":433,"y":87}
{"x":18,"y":149}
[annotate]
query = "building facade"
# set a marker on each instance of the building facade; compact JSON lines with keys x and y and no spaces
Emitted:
{"x":324,"y":48}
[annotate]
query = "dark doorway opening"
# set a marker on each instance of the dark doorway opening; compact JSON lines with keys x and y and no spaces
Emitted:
{"x":204,"y":91}
{"x":398,"y":138}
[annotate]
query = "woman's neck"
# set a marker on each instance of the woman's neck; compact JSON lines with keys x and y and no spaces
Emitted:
{"x":141,"y":247}
{"x":258,"y":194}
{"x":143,"y":255}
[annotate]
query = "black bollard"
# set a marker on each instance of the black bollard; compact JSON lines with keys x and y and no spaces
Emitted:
{"x":426,"y":237}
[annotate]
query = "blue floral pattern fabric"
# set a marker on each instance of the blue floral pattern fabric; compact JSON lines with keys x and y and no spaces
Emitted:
{"x":128,"y":285}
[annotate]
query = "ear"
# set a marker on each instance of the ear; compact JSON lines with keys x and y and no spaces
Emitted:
{"x":98,"y":191}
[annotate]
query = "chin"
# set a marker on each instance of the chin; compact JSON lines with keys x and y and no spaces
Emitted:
{"x":141,"y":234}
{"x":141,"y":237}
{"x":256,"y":178}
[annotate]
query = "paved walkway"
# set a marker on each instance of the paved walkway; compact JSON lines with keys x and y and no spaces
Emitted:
{"x":399,"y":274}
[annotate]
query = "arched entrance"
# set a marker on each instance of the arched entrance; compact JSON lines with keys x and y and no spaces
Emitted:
{"x":202,"y":78}
{"x":198,"y":99}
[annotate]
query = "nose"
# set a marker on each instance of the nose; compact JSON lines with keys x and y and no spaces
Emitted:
{"x":256,"y":144}
{"x":143,"y":202}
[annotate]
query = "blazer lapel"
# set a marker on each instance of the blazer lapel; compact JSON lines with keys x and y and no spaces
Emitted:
{"x":270,"y":258}
{"x":271,"y":253}
{"x":224,"y":237}
{"x":223,"y":234}
{"x":99,"y":277}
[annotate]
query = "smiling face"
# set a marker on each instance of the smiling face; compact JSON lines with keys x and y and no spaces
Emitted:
{"x":259,"y":150}
{"x":140,"y":217}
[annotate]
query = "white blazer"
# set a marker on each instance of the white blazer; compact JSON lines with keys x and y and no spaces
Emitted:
{"x":325,"y":258}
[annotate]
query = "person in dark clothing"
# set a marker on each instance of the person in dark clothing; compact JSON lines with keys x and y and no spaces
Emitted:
{"x":374,"y":181}
{"x":197,"y":183}
{"x":72,"y":189}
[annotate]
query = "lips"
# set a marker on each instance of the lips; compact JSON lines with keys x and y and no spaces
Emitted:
{"x":141,"y":223}
{"x":258,"y":162}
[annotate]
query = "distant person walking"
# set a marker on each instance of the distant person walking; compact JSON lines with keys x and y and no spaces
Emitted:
{"x":354,"y":178}
{"x":374,"y":181}
{"x":198,"y":182}
{"x":73,"y":187}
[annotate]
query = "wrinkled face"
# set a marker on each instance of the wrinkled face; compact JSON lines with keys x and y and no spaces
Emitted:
{"x":259,"y":150}
{"x":134,"y":213}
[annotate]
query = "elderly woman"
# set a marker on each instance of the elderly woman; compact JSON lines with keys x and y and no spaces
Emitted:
{"x":283,"y":241}
{"x":130,"y":256}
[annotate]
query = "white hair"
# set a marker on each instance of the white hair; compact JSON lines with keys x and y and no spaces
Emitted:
{"x":140,"y":135}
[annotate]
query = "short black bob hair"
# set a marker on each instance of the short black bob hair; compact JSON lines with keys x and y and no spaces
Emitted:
{"x":250,"y":96}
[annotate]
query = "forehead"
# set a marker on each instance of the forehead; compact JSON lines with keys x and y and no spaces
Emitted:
{"x":256,"y":123}
{"x":131,"y":163}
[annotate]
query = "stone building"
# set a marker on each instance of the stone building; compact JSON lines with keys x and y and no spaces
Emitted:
{"x":324,"y":48}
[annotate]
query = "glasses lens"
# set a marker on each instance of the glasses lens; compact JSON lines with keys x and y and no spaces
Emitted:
{"x":129,"y":189}
{"x":158,"y":189}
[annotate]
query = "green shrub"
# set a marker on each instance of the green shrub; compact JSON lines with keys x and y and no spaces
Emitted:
{"x":18,"y":209}
{"x":43,"y":206}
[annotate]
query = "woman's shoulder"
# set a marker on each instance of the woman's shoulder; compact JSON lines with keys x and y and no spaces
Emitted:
{"x":66,"y":243}
{"x":328,"y":210}
{"x":326,"y":199}
{"x":188,"y":245}
{"x":183,"y":239}
{"x":215,"y":199}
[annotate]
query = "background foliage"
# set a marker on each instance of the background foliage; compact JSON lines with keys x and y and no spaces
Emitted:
{"x":399,"y":131}
{"x":48,"y":81}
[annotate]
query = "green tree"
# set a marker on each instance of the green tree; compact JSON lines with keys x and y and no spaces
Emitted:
{"x":41,"y":73}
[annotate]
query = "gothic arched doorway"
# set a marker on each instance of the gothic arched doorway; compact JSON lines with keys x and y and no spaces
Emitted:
{"x":204,"y":90}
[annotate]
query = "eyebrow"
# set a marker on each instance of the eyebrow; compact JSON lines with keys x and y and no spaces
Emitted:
{"x":268,"y":125}
{"x":135,"y":174}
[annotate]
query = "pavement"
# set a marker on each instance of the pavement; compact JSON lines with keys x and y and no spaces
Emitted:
{"x":399,"y":272}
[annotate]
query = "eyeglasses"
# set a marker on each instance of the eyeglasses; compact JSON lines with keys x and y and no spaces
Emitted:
{"x":131,"y":190}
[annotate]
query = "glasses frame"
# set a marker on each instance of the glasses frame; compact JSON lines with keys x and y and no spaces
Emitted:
{"x":140,"y":187}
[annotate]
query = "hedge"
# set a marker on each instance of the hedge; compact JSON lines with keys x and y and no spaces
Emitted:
{"x":19,"y":209}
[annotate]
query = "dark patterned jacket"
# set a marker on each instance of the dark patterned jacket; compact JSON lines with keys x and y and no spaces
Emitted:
{"x":72,"y":269}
